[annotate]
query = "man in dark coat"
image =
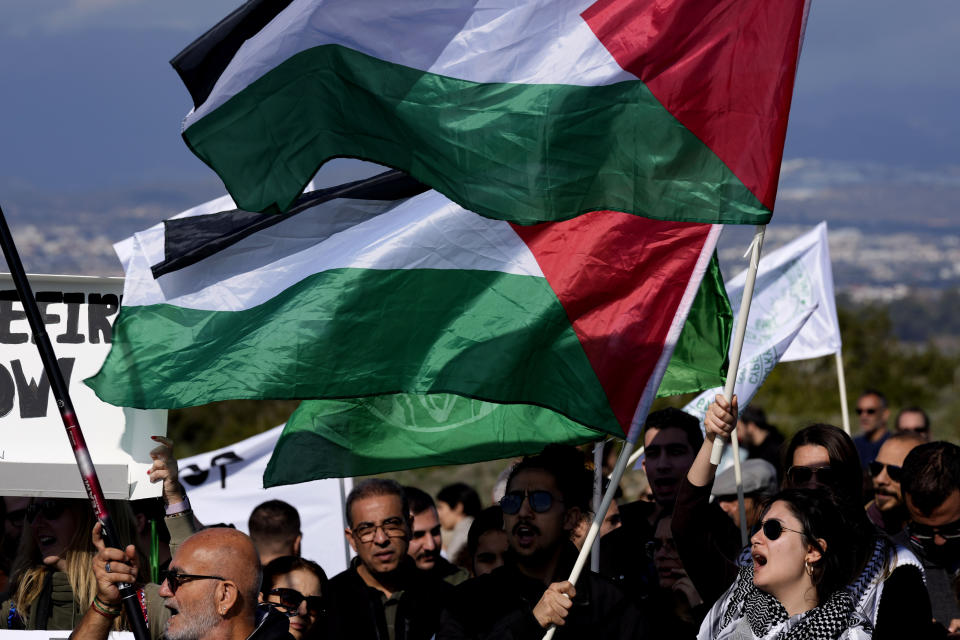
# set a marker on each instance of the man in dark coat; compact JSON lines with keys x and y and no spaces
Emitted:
{"x":546,"y":495}
{"x":382,"y":595}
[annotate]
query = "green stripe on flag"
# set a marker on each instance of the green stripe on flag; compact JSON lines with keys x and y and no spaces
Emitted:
{"x":517,"y":152}
{"x":364,"y":436}
{"x":700,"y":359}
{"x":482,"y":334}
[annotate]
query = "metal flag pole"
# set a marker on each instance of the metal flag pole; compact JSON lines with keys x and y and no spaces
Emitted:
{"x":841,"y":380}
{"x":597,"y":498}
{"x":634,"y":457}
{"x":128,"y":594}
{"x":755,"y":247}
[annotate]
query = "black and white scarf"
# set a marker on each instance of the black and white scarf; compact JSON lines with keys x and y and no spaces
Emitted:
{"x":763,"y":612}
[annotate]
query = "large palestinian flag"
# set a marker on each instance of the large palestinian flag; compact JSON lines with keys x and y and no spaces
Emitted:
{"x":520,"y":110}
{"x":420,"y":313}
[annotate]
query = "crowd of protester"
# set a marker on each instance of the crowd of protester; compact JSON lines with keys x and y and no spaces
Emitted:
{"x":849,"y":538}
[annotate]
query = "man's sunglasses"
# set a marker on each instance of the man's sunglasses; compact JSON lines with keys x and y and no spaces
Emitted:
{"x":49,"y":509}
{"x":924,"y":532}
{"x":893,"y":471}
{"x":290,"y":599}
{"x":869,"y":412}
{"x":773,"y":528}
{"x":175,"y":579}
{"x":799,"y":476}
{"x":540,"y":501}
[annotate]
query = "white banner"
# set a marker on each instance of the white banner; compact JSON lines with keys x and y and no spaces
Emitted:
{"x":226,"y":484}
{"x":793,"y":315}
{"x":35,"y":455}
{"x":794,"y":278}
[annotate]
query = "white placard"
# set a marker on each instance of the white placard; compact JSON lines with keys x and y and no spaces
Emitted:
{"x":226,"y":484}
{"x":35,"y":454}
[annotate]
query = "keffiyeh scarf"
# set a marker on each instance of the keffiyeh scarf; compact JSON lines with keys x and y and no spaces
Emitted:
{"x":764,"y":613}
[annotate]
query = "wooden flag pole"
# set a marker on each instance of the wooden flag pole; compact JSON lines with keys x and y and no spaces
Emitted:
{"x":755,"y":247}
{"x":841,"y":380}
{"x":88,"y":473}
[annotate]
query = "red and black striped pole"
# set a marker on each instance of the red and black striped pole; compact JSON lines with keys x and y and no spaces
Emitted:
{"x":58,"y":385}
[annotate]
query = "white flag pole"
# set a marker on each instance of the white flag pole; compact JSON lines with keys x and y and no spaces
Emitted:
{"x":755,"y":247}
{"x":597,"y":520}
{"x":634,"y":457}
{"x":597,"y":499}
{"x":841,"y":380}
{"x":343,"y":515}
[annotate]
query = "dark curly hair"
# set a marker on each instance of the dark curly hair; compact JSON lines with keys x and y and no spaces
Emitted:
{"x":822,"y":519}
{"x":567,"y":466}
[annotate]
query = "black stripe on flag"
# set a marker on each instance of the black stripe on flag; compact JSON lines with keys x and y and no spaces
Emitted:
{"x":202,"y":62}
{"x":189,"y":240}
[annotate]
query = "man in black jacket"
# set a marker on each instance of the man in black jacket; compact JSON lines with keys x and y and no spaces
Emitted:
{"x":382,"y":595}
{"x":546,"y":495}
{"x":425,"y":543}
{"x":931,"y":488}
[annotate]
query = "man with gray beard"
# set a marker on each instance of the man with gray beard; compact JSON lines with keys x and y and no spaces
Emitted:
{"x":210,"y":591}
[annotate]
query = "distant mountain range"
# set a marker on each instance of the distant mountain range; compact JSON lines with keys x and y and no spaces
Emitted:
{"x":892,"y":229}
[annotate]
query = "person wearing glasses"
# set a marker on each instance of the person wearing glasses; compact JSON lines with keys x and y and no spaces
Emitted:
{"x":52,"y":586}
{"x":931,"y":489}
{"x":914,"y":419}
{"x":382,"y":595}
{"x":873,"y":414}
{"x":795,"y":586}
{"x":210,"y":591}
{"x":294,"y":587}
{"x":888,"y":584}
{"x":545,"y":497}
{"x":887,"y":510}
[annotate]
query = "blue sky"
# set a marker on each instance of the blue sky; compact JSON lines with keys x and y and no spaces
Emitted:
{"x":90,"y":102}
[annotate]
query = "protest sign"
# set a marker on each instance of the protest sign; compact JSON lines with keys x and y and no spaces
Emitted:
{"x":225,"y":485}
{"x":35,"y":455}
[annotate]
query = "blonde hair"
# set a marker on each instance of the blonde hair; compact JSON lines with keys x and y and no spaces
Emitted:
{"x":28,"y":571}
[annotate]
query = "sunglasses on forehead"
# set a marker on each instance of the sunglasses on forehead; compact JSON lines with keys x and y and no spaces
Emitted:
{"x":175,"y":579}
{"x":540,"y":501}
{"x":49,"y":509}
{"x":893,"y":471}
{"x":291,"y":599}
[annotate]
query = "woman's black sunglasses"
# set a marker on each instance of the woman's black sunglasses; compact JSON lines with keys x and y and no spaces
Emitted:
{"x":290,"y":599}
{"x":540,"y":501}
{"x":799,"y":476}
{"x":772,"y":529}
{"x":49,"y":509}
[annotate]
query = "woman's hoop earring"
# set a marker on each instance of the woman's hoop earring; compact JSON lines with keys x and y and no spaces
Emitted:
{"x":808,"y":567}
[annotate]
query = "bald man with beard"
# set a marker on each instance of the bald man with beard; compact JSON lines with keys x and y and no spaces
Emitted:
{"x":210,"y":590}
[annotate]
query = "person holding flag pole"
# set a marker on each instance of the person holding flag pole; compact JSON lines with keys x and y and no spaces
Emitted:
{"x":128,"y":594}
{"x":625,"y":453}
